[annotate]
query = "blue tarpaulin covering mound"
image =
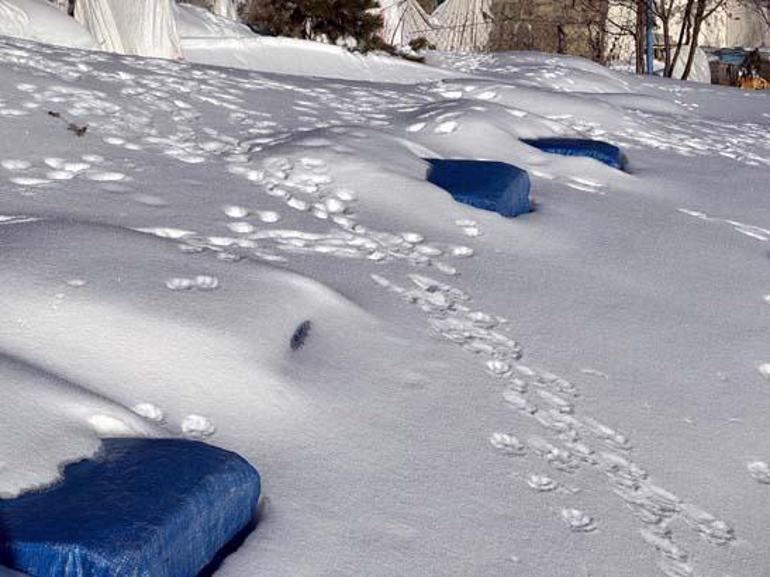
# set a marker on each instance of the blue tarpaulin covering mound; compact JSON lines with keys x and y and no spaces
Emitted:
{"x":604,"y":152}
{"x":495,"y":186}
{"x":142,"y":508}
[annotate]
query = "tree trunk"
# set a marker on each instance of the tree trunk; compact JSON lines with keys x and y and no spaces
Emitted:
{"x":684,"y":27}
{"x":697,"y":23}
{"x":641,"y":23}
{"x":666,"y":44}
{"x":665,"y":10}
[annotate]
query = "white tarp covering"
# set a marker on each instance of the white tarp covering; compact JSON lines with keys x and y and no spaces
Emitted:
{"x":736,"y":25}
{"x":456,"y":25}
{"x":38,"y":20}
{"x":196,"y":22}
{"x":224,"y":8}
{"x":700,"y":71}
{"x":404,"y":21}
{"x":61,"y":4}
{"x":463,"y":25}
{"x":141,"y":27}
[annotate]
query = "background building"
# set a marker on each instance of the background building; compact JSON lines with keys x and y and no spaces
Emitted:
{"x":597,"y":29}
{"x":560,"y":26}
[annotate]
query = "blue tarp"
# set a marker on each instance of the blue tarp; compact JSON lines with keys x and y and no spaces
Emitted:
{"x":604,"y":152}
{"x":734,"y":56}
{"x":495,"y":186}
{"x":142,"y":508}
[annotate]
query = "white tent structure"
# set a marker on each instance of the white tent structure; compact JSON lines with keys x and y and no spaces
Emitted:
{"x":463,"y":25}
{"x":404,"y":21}
{"x":14,"y":21}
{"x":456,"y":25}
{"x":736,"y":25}
{"x":225,"y":8}
{"x":62,"y":5}
{"x":141,"y":27}
{"x":199,"y":26}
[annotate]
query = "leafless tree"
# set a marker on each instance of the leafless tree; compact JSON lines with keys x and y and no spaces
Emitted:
{"x":679,"y":26}
{"x":761,"y":7}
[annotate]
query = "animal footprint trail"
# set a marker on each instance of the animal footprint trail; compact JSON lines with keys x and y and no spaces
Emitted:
{"x":578,"y":521}
{"x":150,"y":412}
{"x":305,"y":185}
{"x":550,"y":401}
{"x":759,"y":471}
{"x":542,"y":483}
{"x":661,"y":541}
{"x":555,"y":456}
{"x":507,"y":444}
{"x":200,"y":282}
{"x":197,"y":427}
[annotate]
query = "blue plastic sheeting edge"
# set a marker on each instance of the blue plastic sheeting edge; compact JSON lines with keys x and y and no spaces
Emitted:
{"x":495,"y":186}
{"x":734,"y":56}
{"x":142,"y":508}
{"x":604,"y":152}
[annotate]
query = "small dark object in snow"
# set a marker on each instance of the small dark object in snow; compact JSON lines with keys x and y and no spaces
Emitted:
{"x":71,"y":126}
{"x":78,"y":130}
{"x":300,"y":335}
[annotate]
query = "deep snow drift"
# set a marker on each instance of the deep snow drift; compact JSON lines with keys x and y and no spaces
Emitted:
{"x":42,"y":21}
{"x":186,"y":32}
{"x":206,"y":38}
{"x":427,"y":389}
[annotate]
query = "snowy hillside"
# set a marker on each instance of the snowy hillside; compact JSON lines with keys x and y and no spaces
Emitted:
{"x":257,"y":260}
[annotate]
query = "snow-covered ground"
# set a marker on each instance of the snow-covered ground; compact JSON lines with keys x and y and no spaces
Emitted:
{"x":427,"y":389}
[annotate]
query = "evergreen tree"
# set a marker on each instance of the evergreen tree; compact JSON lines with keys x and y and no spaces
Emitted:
{"x":333,"y":20}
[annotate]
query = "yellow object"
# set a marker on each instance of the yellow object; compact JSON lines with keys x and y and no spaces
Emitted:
{"x":753,"y":83}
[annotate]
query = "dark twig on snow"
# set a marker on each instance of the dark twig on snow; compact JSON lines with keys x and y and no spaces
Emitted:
{"x":77,"y":129}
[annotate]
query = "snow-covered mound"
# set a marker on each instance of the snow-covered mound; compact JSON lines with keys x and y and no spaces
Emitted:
{"x":39,"y":20}
{"x":536,"y":69}
{"x":57,"y":421}
{"x":210,"y":39}
{"x":258,"y":260}
{"x":304,"y":58}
